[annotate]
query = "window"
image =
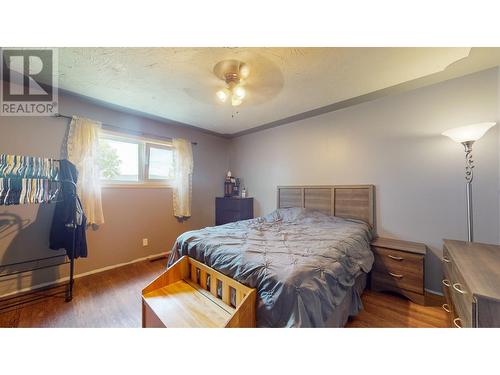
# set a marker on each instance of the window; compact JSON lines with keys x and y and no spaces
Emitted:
{"x":160,"y":162}
{"x":118,"y":160}
{"x":134,"y":161}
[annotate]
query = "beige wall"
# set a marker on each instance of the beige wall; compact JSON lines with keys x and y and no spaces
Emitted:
{"x":394,"y":143}
{"x":130,"y":214}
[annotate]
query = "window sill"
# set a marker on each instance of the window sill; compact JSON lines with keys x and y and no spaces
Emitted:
{"x":135,"y":186}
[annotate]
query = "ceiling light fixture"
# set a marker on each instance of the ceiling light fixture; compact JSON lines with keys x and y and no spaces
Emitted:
{"x":233,"y":73}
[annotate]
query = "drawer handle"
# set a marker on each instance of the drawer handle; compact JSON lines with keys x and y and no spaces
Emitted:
{"x":446,"y":260}
{"x":394,"y":257}
{"x":395,"y":275}
{"x":446,"y":307}
{"x":446,"y":283}
{"x":455,"y":322}
{"x":457,"y":286}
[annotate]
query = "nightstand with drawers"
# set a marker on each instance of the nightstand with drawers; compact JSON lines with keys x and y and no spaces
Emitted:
{"x":399,"y":267}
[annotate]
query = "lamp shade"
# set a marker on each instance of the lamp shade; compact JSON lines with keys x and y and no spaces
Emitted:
{"x":469,"y":132}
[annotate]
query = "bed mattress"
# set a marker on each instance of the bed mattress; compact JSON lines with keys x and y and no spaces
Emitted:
{"x":304,"y":264}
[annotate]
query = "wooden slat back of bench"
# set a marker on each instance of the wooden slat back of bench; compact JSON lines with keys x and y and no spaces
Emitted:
{"x":242,"y":306}
{"x":198,"y":275}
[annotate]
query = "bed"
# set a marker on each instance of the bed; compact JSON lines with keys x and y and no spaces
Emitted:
{"x":308,"y":259}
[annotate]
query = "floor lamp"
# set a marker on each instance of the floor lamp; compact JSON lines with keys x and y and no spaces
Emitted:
{"x":467,"y":135}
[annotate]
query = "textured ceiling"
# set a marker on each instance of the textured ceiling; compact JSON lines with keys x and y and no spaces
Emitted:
{"x":178,"y":83}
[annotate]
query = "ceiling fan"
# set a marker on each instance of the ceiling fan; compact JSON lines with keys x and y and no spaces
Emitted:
{"x":233,"y":73}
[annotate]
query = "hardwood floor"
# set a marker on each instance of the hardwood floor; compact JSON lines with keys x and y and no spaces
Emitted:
{"x":107,"y":299}
{"x":385,"y":310}
{"x":112,"y":299}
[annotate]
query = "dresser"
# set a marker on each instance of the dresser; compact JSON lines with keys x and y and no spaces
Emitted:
{"x":399,"y":267}
{"x":471,"y":283}
{"x":228,"y":210}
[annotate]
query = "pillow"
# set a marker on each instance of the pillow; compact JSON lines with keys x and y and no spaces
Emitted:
{"x":286,"y":214}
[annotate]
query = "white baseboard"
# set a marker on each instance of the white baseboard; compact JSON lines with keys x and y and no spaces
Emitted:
{"x":434,"y":292}
{"x":98,"y":270}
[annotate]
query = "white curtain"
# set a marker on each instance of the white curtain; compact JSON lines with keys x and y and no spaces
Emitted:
{"x":83,"y":148}
{"x":183,"y":164}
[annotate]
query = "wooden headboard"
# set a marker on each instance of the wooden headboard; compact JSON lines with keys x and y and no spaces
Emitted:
{"x":346,"y":201}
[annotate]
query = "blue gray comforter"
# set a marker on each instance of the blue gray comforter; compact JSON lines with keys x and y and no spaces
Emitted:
{"x":301,"y":262}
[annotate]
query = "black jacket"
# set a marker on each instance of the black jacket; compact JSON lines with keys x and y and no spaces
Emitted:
{"x":68,"y":212}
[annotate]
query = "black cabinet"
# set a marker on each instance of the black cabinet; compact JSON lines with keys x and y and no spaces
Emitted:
{"x":232,"y":209}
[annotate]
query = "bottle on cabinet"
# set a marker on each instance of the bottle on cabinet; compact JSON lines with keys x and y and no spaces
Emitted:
{"x":236,"y":187}
{"x":231,"y":186}
{"x":228,"y":188}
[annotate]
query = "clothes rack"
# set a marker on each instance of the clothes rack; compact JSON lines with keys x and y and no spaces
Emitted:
{"x":19,"y":299}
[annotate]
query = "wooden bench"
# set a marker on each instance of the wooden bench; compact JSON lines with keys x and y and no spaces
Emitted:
{"x":191,"y":294}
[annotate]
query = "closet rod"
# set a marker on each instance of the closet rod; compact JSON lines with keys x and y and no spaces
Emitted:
{"x":122,"y":130}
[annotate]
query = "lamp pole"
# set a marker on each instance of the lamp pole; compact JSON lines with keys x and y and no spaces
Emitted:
{"x":469,"y":165}
{"x":467,"y":135}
